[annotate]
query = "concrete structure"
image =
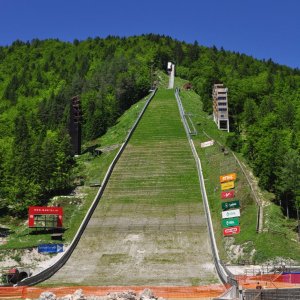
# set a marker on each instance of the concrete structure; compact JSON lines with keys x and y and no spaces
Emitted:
{"x":171,"y":72}
{"x":220,"y":106}
{"x":169,"y":67}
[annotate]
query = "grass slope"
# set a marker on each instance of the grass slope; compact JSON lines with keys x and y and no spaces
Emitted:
{"x":278,"y":238}
{"x":92,"y":170}
{"x":149,"y":228}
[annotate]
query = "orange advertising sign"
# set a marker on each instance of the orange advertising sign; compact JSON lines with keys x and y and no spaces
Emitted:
{"x":228,"y":177}
{"x":227,"y":185}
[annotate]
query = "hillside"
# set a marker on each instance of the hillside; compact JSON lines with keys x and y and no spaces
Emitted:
{"x":38,"y":79}
{"x":150,"y":219}
{"x":277,"y":243}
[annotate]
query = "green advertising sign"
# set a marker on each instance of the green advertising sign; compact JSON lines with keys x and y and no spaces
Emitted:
{"x":230,"y":222}
{"x":231,"y":204}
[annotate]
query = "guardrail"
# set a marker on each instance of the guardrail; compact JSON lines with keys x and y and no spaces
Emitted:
{"x":47,"y":273}
{"x":223,"y":273}
{"x":194,"y":131}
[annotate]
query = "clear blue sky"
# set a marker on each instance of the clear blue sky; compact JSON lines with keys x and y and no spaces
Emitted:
{"x":261,"y":28}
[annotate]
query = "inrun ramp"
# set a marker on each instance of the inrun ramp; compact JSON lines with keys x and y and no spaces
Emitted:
{"x":149,"y":227}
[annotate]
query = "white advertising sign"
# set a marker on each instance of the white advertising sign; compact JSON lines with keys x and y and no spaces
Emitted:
{"x":231,"y":213}
{"x":207,"y":144}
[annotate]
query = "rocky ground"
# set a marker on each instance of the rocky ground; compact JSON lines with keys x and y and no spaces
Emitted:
{"x":21,"y":257}
{"x":126,"y":295}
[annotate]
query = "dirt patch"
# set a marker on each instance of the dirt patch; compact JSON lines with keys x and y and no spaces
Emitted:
{"x":21,"y":257}
{"x":238,"y":253}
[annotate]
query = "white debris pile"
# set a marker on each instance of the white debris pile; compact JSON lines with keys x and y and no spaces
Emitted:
{"x":127,"y":295}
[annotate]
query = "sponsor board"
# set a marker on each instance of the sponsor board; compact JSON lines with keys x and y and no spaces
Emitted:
{"x":230,"y":222}
{"x":231,"y":230}
{"x":230,"y":205}
{"x":228,"y":177}
{"x":231,"y":213}
{"x":207,"y":144}
{"x":51,"y":248}
{"x":227,"y":185}
{"x":227,"y":195}
{"x":35,"y":211}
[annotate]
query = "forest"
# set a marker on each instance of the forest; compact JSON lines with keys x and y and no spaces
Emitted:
{"x":39,"y":77}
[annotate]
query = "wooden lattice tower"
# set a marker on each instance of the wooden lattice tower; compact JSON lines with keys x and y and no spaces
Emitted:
{"x":75,"y":124}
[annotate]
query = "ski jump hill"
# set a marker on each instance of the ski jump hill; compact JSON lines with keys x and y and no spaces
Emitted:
{"x":148,"y":224}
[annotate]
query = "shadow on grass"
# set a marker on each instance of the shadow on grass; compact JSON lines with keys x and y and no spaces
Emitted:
{"x":37,"y":231}
{"x":4,"y":232}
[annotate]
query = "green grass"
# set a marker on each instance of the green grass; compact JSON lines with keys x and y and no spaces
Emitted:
{"x":159,"y":146}
{"x":179,"y":82}
{"x":157,"y":175}
{"x":272,"y":243}
{"x":150,"y":212}
{"x":163,"y":79}
{"x":92,"y":170}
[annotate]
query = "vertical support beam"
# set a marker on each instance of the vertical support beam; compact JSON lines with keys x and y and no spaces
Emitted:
{"x":75,"y":125}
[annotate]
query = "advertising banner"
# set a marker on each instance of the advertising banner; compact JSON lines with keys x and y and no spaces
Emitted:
{"x":227,"y":195}
{"x":34,"y":211}
{"x":207,"y":144}
{"x":228,"y":177}
{"x":45,"y":210}
{"x":51,"y":248}
{"x":231,"y":213}
{"x":231,"y":230}
{"x":230,"y":205}
{"x":227,"y":185}
{"x":230,"y":222}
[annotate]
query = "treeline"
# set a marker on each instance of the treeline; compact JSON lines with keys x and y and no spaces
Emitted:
{"x":264,"y":109}
{"x":38,"y":79}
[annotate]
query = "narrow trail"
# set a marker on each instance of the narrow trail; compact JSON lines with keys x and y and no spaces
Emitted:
{"x":149,"y":227}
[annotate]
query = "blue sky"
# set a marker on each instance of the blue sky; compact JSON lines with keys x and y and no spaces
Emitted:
{"x":261,"y":28}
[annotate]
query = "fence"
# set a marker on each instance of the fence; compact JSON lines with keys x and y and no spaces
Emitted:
{"x":272,"y":294}
{"x":204,"y":292}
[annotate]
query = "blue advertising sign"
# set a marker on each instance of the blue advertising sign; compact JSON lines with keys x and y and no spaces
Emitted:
{"x":50,"y":248}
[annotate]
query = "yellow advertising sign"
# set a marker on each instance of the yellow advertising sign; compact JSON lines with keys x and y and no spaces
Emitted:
{"x":227,"y":185}
{"x":228,"y":177}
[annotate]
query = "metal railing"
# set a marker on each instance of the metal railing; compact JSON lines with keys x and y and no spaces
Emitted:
{"x":47,"y":273}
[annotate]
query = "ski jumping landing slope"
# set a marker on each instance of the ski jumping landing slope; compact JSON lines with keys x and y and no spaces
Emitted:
{"x":149,"y":227}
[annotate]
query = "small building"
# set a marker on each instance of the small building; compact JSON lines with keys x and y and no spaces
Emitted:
{"x":220,"y":106}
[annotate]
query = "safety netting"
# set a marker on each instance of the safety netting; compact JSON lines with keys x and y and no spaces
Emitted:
{"x":200,"y":292}
{"x":282,"y":280}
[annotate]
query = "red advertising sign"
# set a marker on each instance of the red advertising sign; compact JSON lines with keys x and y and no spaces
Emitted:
{"x":231,"y":230}
{"x":227,"y":194}
{"x":43,"y":216}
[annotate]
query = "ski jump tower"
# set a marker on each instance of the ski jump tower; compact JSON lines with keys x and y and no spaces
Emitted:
{"x":220,"y":106}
